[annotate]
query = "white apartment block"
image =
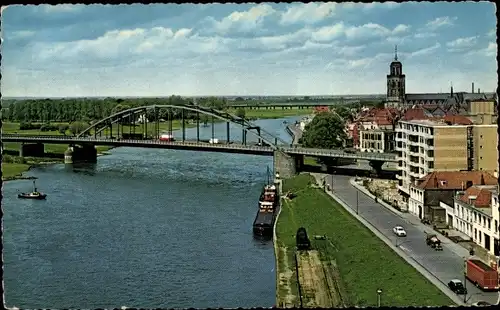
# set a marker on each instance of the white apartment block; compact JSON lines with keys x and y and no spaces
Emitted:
{"x":415,"y":148}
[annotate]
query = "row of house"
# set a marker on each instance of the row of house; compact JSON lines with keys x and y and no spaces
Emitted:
{"x":447,"y":152}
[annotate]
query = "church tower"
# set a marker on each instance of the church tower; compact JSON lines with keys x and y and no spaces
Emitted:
{"x":395,"y":83}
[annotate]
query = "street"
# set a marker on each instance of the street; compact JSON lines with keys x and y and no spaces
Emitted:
{"x":445,"y":265}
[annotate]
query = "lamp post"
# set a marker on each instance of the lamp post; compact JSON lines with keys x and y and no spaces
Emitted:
{"x":357,"y":201}
{"x":379,"y":294}
{"x":465,"y":280}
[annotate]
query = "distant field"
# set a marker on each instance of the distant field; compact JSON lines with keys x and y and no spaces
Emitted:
{"x":272,"y":113}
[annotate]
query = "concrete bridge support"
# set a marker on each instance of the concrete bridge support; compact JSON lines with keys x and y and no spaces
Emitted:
{"x":376,"y":166}
{"x":287,"y":165}
{"x":80,"y":153}
{"x":31,"y":150}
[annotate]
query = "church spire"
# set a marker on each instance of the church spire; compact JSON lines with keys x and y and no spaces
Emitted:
{"x":396,"y":53}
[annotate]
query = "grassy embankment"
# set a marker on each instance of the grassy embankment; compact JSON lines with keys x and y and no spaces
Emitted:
{"x":365,"y":262}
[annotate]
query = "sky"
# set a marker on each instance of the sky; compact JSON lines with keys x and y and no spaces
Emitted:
{"x":245,"y":49}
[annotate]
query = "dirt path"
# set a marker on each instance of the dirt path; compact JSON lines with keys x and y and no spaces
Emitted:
{"x":313,"y":284}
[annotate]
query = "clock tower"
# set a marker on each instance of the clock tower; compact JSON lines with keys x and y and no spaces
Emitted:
{"x":395,"y":83}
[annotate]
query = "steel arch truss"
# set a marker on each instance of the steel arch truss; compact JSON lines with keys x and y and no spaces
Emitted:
{"x":131,"y":115}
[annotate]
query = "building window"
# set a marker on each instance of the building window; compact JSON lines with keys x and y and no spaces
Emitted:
{"x":489,"y":224}
{"x":496,"y":226}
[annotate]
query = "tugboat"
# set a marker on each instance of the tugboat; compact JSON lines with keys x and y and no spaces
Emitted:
{"x":35,"y":194}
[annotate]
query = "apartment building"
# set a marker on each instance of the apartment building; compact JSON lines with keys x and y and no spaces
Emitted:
{"x":441,"y":186}
{"x":375,"y":130}
{"x":451,"y":143}
{"x":474,"y":212}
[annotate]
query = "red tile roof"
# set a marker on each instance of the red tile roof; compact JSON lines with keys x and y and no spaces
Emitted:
{"x":455,"y":180}
{"x":477,"y":196}
{"x":414,"y":114}
{"x":379,"y":116}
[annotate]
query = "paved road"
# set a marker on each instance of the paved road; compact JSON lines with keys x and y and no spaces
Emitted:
{"x":445,"y":265}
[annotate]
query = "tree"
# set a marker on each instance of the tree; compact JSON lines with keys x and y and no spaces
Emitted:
{"x":241,"y":113}
{"x":204,"y":119}
{"x":78,"y":127}
{"x":62,"y":128}
{"x":325,"y":131}
{"x":344,"y":112}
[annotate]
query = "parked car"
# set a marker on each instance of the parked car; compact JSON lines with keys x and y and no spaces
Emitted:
{"x":457,"y":287}
{"x":399,"y":231}
{"x":481,"y":304}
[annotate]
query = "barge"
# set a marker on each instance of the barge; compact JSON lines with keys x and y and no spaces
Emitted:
{"x":266,"y":215}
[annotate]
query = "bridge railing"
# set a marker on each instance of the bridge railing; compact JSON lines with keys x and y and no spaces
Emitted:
{"x":70,"y":139}
{"x":289,"y":150}
{"x":339,"y":153}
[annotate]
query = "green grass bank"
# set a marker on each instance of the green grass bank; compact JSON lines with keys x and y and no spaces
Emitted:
{"x":364,"y":261}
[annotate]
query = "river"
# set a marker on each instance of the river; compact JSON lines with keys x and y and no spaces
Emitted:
{"x":142,"y":228}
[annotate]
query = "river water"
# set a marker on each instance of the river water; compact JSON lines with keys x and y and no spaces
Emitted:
{"x":142,"y":228}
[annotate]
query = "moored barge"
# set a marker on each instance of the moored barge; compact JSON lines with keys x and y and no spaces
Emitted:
{"x":266,"y":215}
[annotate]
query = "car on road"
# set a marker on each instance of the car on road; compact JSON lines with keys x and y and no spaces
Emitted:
{"x":457,"y":287}
{"x":399,"y":231}
{"x":481,"y":304}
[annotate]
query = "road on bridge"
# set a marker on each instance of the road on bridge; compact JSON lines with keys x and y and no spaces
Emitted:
{"x":445,"y":265}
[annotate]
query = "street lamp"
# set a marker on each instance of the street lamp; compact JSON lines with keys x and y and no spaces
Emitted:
{"x":357,"y":201}
{"x":379,"y":293}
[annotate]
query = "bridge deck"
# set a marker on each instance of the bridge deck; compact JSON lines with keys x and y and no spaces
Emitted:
{"x":201,"y":146}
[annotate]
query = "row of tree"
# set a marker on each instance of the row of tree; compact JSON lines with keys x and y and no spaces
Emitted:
{"x":88,"y":110}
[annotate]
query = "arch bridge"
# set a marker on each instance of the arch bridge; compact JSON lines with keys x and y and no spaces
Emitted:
{"x":149,"y":122}
{"x":143,"y":127}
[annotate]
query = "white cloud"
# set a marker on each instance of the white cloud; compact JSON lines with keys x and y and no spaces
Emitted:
{"x":244,"y":21}
{"x":426,"y":51}
{"x":281,"y":46}
{"x":401,"y":28}
{"x":424,"y":35}
{"x":373,"y":30}
{"x":492,"y":33}
{"x":22,"y":34}
{"x":441,"y":22}
{"x":370,"y":6}
{"x":461,"y":43}
{"x":308,"y":13}
{"x":490,"y":51}
{"x":328,"y":33}
{"x":61,"y":8}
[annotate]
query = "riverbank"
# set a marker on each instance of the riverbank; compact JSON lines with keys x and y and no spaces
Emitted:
{"x":14,"y":167}
{"x":362,"y":269}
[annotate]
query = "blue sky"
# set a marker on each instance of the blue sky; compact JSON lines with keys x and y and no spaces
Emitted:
{"x":251,"y":49}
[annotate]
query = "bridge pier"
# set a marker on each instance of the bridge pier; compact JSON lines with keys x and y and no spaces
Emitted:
{"x":80,"y":153}
{"x":287,"y":165}
{"x":376,"y":166}
{"x":31,"y":150}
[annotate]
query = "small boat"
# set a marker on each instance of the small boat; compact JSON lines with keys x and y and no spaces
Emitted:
{"x":35,"y":194}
